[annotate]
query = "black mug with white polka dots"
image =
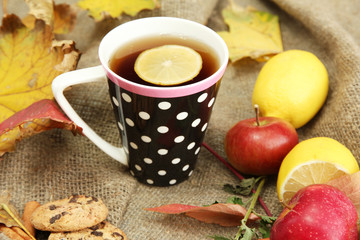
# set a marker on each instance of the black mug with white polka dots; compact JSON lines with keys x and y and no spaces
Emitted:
{"x":161,"y":127}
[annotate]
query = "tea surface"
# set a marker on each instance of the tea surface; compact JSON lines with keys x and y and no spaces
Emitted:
{"x":123,"y":60}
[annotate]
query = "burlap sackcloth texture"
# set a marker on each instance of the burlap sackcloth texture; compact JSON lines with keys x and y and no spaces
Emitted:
{"x":55,"y":164}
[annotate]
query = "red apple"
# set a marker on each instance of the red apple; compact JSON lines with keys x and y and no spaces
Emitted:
{"x":317,"y":211}
{"x":257,"y":146}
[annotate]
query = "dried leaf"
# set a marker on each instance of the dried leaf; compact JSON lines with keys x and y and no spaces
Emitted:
{"x":102,"y":9}
{"x":350,"y":185}
{"x":61,"y":19}
{"x":42,"y":9}
{"x":252,"y":33}
{"x":40,"y":116}
{"x":65,"y":18}
{"x":224,"y":214}
{"x":9,"y":215}
{"x":5,"y":218}
{"x":29,"y":61}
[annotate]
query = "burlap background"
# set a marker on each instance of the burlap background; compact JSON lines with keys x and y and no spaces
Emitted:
{"x":56,"y":164}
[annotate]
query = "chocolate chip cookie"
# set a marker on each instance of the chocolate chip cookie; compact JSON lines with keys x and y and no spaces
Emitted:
{"x":70,"y":214}
{"x":103,"y":230}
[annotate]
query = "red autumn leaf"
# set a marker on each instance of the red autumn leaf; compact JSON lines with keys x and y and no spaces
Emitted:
{"x":38,"y":117}
{"x":350,"y":185}
{"x":224,"y":214}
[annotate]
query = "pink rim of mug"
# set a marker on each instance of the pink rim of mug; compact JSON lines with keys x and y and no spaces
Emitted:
{"x":173,"y":91}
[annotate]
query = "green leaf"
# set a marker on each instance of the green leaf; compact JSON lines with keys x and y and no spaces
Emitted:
{"x":219,"y":238}
{"x":267,"y":219}
{"x":235,"y":200}
{"x":265,"y":224}
{"x":246,"y":232}
{"x":244,"y":188}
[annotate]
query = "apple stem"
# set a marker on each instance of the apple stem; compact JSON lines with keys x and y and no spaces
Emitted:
{"x":237,"y":174}
{"x":256,"y":108}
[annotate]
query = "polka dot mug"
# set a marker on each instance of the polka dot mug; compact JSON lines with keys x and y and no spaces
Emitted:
{"x":161,"y":128}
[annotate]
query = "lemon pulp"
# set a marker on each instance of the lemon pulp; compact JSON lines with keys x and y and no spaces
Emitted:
{"x":313,"y":161}
{"x":168,"y":65}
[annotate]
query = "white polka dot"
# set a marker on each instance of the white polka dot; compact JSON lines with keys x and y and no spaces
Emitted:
{"x":115,"y":101}
{"x":172,"y":181}
{"x":133,"y":145}
{"x":126,"y":97}
{"x":146,"y":139}
{"x":204,"y":127}
{"x":132,"y":173}
{"x":149,"y":181}
{"x":129,"y":122}
{"x":164,"y":105}
{"x":186,"y":167}
{"x":191,"y":146}
{"x":175,"y":160}
{"x":197,"y":151}
{"x":163,"y":129}
{"x":182,"y":115}
{"x":138,"y":167}
{"x":179,"y":139}
{"x":162,"y":151}
{"x":121,"y":126}
{"x":190,"y":173}
{"x":162,"y":172}
{"x":202,"y":97}
{"x":196,"y":122}
{"x":211,"y":102}
{"x":144,"y":115}
{"x":148,"y":160}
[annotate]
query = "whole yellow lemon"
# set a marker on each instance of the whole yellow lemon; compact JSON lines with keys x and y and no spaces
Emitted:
{"x":292,"y":85}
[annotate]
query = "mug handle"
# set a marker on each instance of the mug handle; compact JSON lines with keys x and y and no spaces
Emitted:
{"x":86,"y":75}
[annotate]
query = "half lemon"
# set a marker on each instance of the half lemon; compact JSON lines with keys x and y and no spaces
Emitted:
{"x":313,"y":161}
{"x":168,"y":65}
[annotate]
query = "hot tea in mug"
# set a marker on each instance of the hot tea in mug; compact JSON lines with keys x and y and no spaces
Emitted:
{"x":161,"y":127}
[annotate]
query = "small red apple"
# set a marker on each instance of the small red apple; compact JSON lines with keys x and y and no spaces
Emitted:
{"x":317,"y":211}
{"x":257,"y":146}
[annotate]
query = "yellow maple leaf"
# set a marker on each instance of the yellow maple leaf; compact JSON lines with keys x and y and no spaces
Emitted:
{"x":29,"y":61}
{"x":252,"y":33}
{"x":101,"y":9}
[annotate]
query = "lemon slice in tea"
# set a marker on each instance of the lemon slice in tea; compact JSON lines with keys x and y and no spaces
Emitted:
{"x":168,"y":65}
